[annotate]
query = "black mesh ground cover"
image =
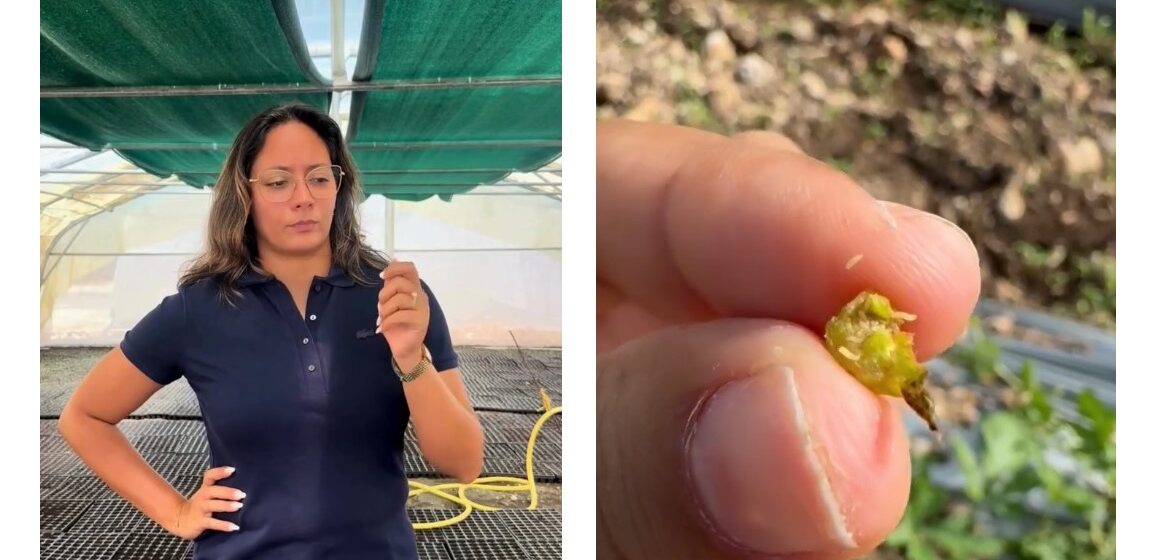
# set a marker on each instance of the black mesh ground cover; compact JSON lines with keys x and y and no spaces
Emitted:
{"x":480,"y":525}
{"x":496,"y":379}
{"x":82,"y":518}
{"x":154,"y":546}
{"x":541,"y":549}
{"x":57,"y":516}
{"x":74,"y":488}
{"x":533,"y":525}
{"x":432,"y":550}
{"x":517,"y":534}
{"x":485,"y":550}
{"x":112,"y":530}
{"x":178,"y":449}
{"x":173,"y":465}
{"x":76,"y":545}
{"x":61,"y":464}
{"x":114,"y":516}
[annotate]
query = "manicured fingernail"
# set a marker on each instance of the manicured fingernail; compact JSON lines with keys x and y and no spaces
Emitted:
{"x":379,"y":330}
{"x":241,"y":495}
{"x":383,"y":274}
{"x":378,"y":321}
{"x":755,"y":464}
{"x":230,"y":470}
{"x":234,"y":527}
{"x":237,"y":506}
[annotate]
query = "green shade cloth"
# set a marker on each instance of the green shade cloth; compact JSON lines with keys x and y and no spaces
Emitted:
{"x":85,"y":43}
{"x":450,"y":158}
{"x":459,"y":179}
{"x":112,"y":43}
{"x":449,"y":39}
{"x":450,"y":115}
{"x":456,"y":41}
{"x":95,"y":122}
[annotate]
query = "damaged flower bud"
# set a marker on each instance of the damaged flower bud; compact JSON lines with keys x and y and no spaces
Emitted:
{"x":866,"y":338}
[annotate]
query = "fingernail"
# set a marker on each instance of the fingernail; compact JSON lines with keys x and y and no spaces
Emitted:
{"x":237,"y":506}
{"x":887,"y":215}
{"x":241,"y":495}
{"x":230,"y":470}
{"x":904,"y":212}
{"x":762,"y":484}
{"x":234,"y":527}
{"x":896,"y":211}
{"x":383,"y":274}
{"x":951,"y":225}
{"x":378,"y":321}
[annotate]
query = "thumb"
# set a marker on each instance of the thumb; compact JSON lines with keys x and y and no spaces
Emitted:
{"x":742,"y":438}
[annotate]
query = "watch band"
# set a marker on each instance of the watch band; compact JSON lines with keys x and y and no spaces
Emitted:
{"x":415,"y":372}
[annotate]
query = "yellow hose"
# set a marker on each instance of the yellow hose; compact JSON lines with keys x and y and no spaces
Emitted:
{"x":492,"y":483}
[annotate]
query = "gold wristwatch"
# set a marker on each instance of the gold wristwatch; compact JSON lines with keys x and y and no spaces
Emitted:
{"x":417,"y":371}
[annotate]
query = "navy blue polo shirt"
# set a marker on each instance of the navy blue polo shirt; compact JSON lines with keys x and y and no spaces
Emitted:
{"x":308,"y":410}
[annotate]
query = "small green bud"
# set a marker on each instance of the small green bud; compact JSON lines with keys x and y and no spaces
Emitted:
{"x":867,"y":339}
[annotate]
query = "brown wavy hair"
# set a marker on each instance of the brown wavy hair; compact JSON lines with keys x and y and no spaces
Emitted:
{"x":232,"y":244}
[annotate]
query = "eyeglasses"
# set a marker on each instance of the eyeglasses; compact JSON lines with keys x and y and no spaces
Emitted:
{"x":278,"y":185}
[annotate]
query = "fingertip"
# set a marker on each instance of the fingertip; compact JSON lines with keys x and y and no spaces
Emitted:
{"x":936,"y":277}
{"x":798,"y":457}
{"x":770,"y":140}
{"x":861,"y":442}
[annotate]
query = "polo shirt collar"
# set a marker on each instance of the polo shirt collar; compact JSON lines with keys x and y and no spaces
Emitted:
{"x":337,"y":277}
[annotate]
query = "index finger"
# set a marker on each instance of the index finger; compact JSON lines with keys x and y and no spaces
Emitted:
{"x":400,"y":268}
{"x":692,"y":224}
{"x":213,"y":475}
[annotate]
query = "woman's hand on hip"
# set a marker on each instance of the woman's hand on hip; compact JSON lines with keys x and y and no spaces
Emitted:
{"x":195,"y":515}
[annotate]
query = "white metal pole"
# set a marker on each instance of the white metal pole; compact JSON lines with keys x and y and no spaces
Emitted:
{"x":390,"y":229}
{"x":337,"y":60}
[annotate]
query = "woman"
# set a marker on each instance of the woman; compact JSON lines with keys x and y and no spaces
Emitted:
{"x":308,"y":353}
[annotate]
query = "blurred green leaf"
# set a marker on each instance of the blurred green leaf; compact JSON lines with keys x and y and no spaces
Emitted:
{"x":1052,"y":481}
{"x":981,"y":358}
{"x":963,"y":546}
{"x":918,"y":550}
{"x":1038,"y":408}
{"x":1045,"y":545}
{"x":965,"y":456}
{"x":1009,"y":445}
{"x":902,"y":535}
{"x":1100,"y":425}
{"x":926,"y":499}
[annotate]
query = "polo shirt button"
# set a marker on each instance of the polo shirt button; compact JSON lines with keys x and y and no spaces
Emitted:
{"x":314,"y":317}
{"x":310,"y":367}
{"x":306,"y":341}
{"x":317,"y":288}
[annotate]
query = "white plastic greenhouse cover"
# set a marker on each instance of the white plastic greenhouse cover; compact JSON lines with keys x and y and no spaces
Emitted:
{"x":113,"y":244}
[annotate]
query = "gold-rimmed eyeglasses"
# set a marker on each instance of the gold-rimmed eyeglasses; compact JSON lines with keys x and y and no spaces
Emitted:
{"x":277,"y":185}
